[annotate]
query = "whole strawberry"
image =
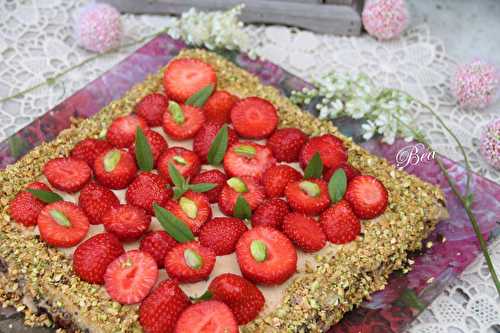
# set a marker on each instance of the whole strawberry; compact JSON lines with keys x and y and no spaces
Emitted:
{"x":189,"y":262}
{"x":151,"y":108}
{"x":308,"y":196}
{"x":157,"y":244}
{"x":248,"y":159}
{"x":182,"y":121}
{"x":286,"y":144}
{"x":277,"y":177}
{"x":206,"y":135}
{"x":115,"y":169}
{"x":270,"y":213}
{"x":192,"y":208}
{"x":212,"y":177}
{"x":88,"y":150}
{"x":340,"y":223}
{"x":367,"y":196}
{"x":146,"y":189}
{"x":221,"y":234}
{"x":121,"y":132}
{"x":184,"y":160}
{"x":246,"y":186}
{"x":218,"y":107}
{"x":304,"y":232}
{"x":25,"y":207}
{"x":95,"y":200}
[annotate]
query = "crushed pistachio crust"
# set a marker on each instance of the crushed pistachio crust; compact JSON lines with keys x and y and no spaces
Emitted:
{"x":316,"y":299}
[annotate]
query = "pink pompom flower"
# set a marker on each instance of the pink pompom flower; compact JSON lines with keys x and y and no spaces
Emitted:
{"x":385,"y":19}
{"x":490,"y":143}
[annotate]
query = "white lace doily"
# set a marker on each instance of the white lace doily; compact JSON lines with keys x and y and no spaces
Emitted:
{"x":36,"y":42}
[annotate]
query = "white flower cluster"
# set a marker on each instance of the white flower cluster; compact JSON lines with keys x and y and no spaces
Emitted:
{"x":385,"y":110}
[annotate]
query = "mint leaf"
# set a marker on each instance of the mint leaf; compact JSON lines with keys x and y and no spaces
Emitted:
{"x":242,"y":208}
{"x":202,"y":187}
{"x":314,"y":168}
{"x":174,"y":226}
{"x":143,"y":153}
{"x":199,"y":98}
{"x":337,"y":185}
{"x":45,"y":196}
{"x":205,"y":297}
{"x":218,"y":147}
{"x":176,"y":176}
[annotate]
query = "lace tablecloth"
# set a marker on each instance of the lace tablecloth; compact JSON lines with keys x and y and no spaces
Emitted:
{"x":36,"y":42}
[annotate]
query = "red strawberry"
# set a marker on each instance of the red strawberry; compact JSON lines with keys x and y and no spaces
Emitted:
{"x":270,"y":213}
{"x":161,"y":309}
{"x":146,"y":189}
{"x":88,"y":150}
{"x":130,"y":277}
{"x":304,"y":232}
{"x":25,"y":207}
{"x":182,"y":121}
{"x":115,"y":169}
{"x":185,"y":77}
{"x":277,"y":177}
{"x":248,"y":159}
{"x":192,"y":208}
{"x":95,"y":200}
{"x":67,"y":174}
{"x":209,"y":316}
{"x":330,"y":148}
{"x":367,"y":196}
{"x":242,"y":296}
{"x":349,"y":170}
{"x":206,"y":135}
{"x":189,"y":262}
{"x":340,"y":224}
{"x":184,"y":160}
{"x":212,"y":177}
{"x":157,"y":244}
{"x":266,"y":256}
{"x":286,"y":144}
{"x":221,"y":234}
{"x":308,"y":196}
{"x":247,"y":186}
{"x":121,"y":132}
{"x":151,"y":108}
{"x":92,"y":257}
{"x":156,"y":142}
{"x":218,"y":107}
{"x":62,"y":224}
{"x":254,"y":118}
{"x":126,"y":222}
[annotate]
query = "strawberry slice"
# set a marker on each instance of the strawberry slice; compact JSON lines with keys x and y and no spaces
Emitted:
{"x":248,"y":159}
{"x":221,"y":234}
{"x":242,"y":296}
{"x":95,"y":200}
{"x":156,"y":142}
{"x":182,"y":121}
{"x":349,"y":170}
{"x":25,"y":207}
{"x":151,"y":108}
{"x":211,"y":177}
{"x":218,"y":107}
{"x":367,"y":196}
{"x":189,"y":262}
{"x":277,"y":177}
{"x":254,"y":118}
{"x":330,"y":148}
{"x":266,"y":256}
{"x":308,"y":196}
{"x":130,"y":277}
{"x":192,"y":208}
{"x":115,"y":169}
{"x":67,"y":174}
{"x":286,"y":144}
{"x":146,"y":189}
{"x":158,"y":244}
{"x":88,"y":150}
{"x":340,"y":223}
{"x":62,"y":224}
{"x":128,"y":223}
{"x":184,"y":160}
{"x":121,"y":132}
{"x":270,"y":213}
{"x":304,"y":232}
{"x":185,"y":77}
{"x":204,"y":317}
{"x":247,"y":186}
{"x":206,"y":135}
{"x":92,"y":257}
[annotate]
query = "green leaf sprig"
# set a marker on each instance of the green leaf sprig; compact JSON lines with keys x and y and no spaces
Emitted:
{"x":45,"y":196}
{"x":218,"y":147}
{"x":314,"y":168}
{"x":242,"y":209}
{"x":143,"y":153}
{"x":337,"y":185}
{"x":199,"y":98}
{"x":174,"y":226}
{"x":181,"y":185}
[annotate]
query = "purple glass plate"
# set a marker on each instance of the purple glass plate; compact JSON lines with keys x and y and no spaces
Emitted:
{"x":454,"y":243}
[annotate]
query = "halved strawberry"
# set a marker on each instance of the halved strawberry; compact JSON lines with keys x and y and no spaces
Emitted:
{"x":277,"y":177}
{"x":340,"y":224}
{"x":270,"y":213}
{"x":218,"y":107}
{"x":62,"y":224}
{"x":157,"y":244}
{"x":92,"y":257}
{"x":211,"y":177}
{"x":126,"y":222}
{"x":95,"y":200}
{"x":67,"y":174}
{"x":286,"y":144}
{"x":308,"y":196}
{"x":248,"y":187}
{"x":189,"y":262}
{"x":184,"y":160}
{"x":161,"y":309}
{"x":25,"y":207}
{"x":115,"y":169}
{"x":121,"y":132}
{"x":208,"y":316}
{"x":206,"y":135}
{"x":193,"y":208}
{"x":254,"y":118}
{"x":151,"y":108}
{"x":330,"y":148}
{"x":156,"y":142}
{"x":304,"y":232}
{"x":182,"y":121}
{"x":221,"y":234}
{"x":349,"y":170}
{"x":88,"y":150}
{"x":185,"y":77}
{"x":248,"y":159}
{"x":130,"y":277}
{"x":367,"y":196}
{"x":242,"y":296}
{"x":266,"y":256}
{"x":146,"y":189}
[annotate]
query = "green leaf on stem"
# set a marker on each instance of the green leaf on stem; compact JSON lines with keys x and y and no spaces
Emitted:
{"x":199,"y":98}
{"x":45,"y":196}
{"x":242,"y":208}
{"x":218,"y":147}
{"x":202,"y":187}
{"x":143,"y":153}
{"x":337,"y":185}
{"x":174,"y":226}
{"x":314,"y":168}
